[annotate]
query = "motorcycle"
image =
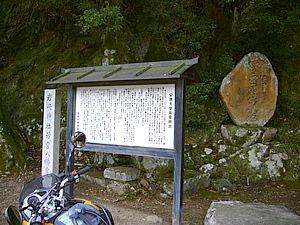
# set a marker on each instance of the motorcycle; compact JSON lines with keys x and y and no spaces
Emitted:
{"x":44,"y":201}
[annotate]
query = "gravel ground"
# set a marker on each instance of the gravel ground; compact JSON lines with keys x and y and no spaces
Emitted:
{"x":136,"y":209}
{"x":11,"y":186}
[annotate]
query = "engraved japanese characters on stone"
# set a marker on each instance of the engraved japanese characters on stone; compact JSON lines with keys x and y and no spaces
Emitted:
{"x":250,"y":91}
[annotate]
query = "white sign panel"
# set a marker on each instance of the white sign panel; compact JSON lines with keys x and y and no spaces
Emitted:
{"x":51,"y":128}
{"x":137,"y":115}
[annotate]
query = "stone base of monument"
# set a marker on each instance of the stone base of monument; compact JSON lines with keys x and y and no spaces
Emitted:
{"x":118,"y":180}
{"x":121,"y":173}
{"x":127,"y":180}
{"x":239,"y":213}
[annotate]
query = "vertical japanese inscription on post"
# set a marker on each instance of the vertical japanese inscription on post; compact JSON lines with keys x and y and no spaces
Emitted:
{"x":48,"y":131}
{"x":135,"y":115}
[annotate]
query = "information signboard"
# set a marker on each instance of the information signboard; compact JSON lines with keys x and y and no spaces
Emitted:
{"x":133,"y":115}
{"x":130,"y":109}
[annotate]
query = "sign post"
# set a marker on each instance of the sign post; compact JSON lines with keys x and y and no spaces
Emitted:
{"x":51,"y":131}
{"x":131,"y":109}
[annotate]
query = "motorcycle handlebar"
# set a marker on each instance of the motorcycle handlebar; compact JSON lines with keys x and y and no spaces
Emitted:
{"x":76,"y":174}
{"x":84,"y":170}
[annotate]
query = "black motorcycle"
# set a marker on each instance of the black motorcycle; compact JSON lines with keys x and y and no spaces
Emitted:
{"x":43,"y":201}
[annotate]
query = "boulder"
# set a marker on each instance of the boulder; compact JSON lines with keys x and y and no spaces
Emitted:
{"x":153,"y":166}
{"x":268,"y":135}
{"x":250,"y":91}
{"x":195,"y":184}
{"x":222,"y":185}
{"x":119,"y":188}
{"x":254,"y":163}
{"x":240,"y":136}
{"x":239,"y":213}
{"x":121,"y":173}
{"x":154,"y":219}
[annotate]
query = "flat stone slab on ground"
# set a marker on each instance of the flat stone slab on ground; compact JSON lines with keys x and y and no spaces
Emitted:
{"x":239,"y":213}
{"x":121,"y":173}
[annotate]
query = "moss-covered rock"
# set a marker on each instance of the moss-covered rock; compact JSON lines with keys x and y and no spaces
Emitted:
{"x":240,"y":136}
{"x":255,"y":163}
{"x":156,"y":167}
{"x":237,"y":161}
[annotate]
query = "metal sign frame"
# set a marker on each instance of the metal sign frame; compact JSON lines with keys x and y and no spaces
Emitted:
{"x":175,"y":154}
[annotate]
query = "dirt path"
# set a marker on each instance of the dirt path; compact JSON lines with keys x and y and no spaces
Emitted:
{"x":134,"y":210}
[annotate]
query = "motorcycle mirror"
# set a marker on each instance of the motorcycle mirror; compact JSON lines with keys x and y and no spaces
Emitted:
{"x":13,"y":216}
{"x":79,"y":139}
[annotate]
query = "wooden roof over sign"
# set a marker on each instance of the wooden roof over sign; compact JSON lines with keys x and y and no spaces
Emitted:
{"x":126,"y":72}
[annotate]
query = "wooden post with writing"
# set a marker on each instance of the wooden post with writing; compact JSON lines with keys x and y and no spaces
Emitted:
{"x":51,"y":131}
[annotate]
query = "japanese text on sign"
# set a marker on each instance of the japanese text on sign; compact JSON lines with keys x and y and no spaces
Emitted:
{"x":139,"y":115}
{"x":48,"y":132}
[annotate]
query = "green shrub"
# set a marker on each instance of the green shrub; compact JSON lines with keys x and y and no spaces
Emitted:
{"x":106,"y":20}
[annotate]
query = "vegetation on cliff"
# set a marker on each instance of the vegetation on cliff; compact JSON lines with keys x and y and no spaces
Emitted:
{"x":39,"y":37}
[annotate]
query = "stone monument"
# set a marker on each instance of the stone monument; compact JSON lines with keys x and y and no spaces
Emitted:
{"x":250,"y":91}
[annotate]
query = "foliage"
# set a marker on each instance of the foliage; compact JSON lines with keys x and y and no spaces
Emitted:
{"x":199,"y":100}
{"x":12,"y":145}
{"x":202,"y":91}
{"x":39,"y":37}
{"x":109,"y":19}
{"x":272,"y":28}
{"x":179,"y":26}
